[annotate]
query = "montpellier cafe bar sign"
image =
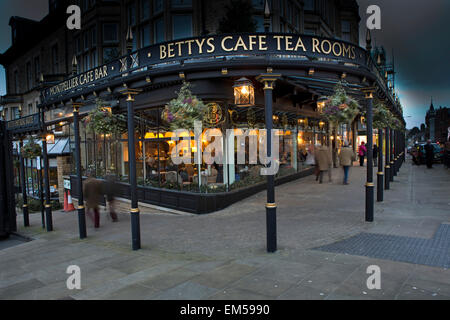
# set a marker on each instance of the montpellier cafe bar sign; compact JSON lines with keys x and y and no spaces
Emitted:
{"x":256,"y":44}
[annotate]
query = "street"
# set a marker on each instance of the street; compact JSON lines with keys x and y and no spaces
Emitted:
{"x":324,"y":247}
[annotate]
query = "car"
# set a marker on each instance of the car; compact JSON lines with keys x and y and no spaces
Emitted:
{"x":419,"y":153}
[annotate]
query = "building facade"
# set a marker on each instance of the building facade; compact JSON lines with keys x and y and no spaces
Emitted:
{"x":437,"y":123}
{"x":312,"y":45}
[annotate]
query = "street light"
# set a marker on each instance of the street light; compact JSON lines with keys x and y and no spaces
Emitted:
{"x":244,"y":93}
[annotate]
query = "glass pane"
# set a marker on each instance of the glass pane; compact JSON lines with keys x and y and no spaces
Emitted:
{"x":182,"y":26}
{"x":181,"y":3}
{"x":158,"y":27}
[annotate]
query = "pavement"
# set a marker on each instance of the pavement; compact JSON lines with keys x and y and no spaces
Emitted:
{"x":324,"y":248}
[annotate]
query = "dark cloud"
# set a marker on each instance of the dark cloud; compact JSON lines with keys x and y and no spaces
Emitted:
{"x":31,"y":9}
{"x":417,"y":31}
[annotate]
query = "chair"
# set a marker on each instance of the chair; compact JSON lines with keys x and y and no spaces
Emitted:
{"x":172,"y":176}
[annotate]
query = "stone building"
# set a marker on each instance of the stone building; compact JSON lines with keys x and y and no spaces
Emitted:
{"x":438,"y":123}
{"x":43,"y":53}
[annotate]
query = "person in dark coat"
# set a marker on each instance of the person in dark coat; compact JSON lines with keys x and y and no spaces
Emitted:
{"x":375,"y":155}
{"x":92,"y":190}
{"x":429,"y":154}
{"x":110,"y":192}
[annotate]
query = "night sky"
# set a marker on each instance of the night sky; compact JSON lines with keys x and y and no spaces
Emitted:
{"x":417,"y":30}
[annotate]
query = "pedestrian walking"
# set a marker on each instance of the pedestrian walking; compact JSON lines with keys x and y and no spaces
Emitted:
{"x":362,"y":150}
{"x":447,"y":153}
{"x":346,"y":158}
{"x":429,"y":154}
{"x":375,"y":155}
{"x":93,"y":193}
{"x":110,"y":192}
{"x":323,"y":162}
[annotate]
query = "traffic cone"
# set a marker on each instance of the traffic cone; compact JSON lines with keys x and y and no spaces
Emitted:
{"x":70,"y":206}
{"x":65,"y":202}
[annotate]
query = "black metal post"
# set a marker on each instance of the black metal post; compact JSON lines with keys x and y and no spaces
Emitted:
{"x":387,"y":168}
{"x":369,"y":185}
{"x":41,"y":190}
{"x":48,"y":205}
{"x":26,"y":218}
{"x":271,"y":207}
{"x":395,"y":154}
{"x":391,"y":153}
{"x":81,"y":209}
{"x":135,"y":213}
{"x":380,"y":174}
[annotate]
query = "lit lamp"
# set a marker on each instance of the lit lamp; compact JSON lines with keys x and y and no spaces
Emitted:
{"x":50,"y":138}
{"x":244,"y":93}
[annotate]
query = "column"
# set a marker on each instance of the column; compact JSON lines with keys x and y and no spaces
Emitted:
{"x":380,"y":181}
{"x":369,"y":184}
{"x":81,"y":209}
{"x":26,"y":218}
{"x":135,"y":218}
{"x":387,"y":168}
{"x":48,"y":205}
{"x":391,"y":152}
{"x":269,"y":80}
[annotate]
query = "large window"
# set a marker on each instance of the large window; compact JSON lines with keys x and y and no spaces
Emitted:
{"x":145,"y":9}
{"x":181,"y":3}
{"x":110,"y":54}
{"x":182,"y":26}
{"x":37,"y":68}
{"x":110,"y":34}
{"x":346,"y":31}
{"x":158,"y":6}
{"x":55,"y":59}
{"x":29,"y":76}
{"x":158,"y":28}
{"x":145,"y":36}
{"x":309,"y":5}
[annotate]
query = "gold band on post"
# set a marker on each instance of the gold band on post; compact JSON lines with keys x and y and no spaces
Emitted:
{"x":134,"y":210}
{"x":387,"y":167}
{"x":80,"y":207}
{"x":48,"y":206}
{"x":271,"y":205}
{"x":380,"y":173}
{"x":370,"y":184}
{"x":25,"y":206}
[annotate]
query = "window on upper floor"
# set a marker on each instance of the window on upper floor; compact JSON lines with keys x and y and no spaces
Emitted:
{"x":259,"y":23}
{"x":158,"y":6}
{"x":145,"y":10}
{"x":181,"y":3}
{"x":182,"y":26}
{"x":16,"y":82}
{"x":15,"y":113}
{"x":55,"y":59}
{"x":145,"y":35}
{"x":30,"y":108}
{"x":158,"y":30}
{"x":308,"y":5}
{"x":258,"y":4}
{"x":29,"y":76}
{"x":110,"y":54}
{"x":132,"y":14}
{"x":346,"y":30}
{"x":110,"y":34}
{"x":37,"y":68}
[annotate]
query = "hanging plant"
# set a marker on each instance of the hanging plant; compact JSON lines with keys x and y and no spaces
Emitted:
{"x":184,"y":110}
{"x":31,"y":150}
{"x":340,"y":108}
{"x":381,"y":116}
{"x":101,"y":120}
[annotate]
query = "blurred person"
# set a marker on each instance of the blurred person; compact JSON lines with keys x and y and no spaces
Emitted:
{"x":110,"y":192}
{"x":323,"y":162}
{"x":362,"y":151}
{"x":346,"y":158}
{"x":92,"y":190}
{"x":447,"y":153}
{"x":375,"y":155}
{"x":429,"y":154}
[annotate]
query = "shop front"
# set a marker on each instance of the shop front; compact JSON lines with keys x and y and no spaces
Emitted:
{"x":223,"y":74}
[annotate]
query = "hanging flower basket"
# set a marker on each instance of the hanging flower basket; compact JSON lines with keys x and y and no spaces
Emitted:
{"x":31,"y":150}
{"x":102,"y":121}
{"x":183,"y":111}
{"x":381,"y":116}
{"x":340,"y":108}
